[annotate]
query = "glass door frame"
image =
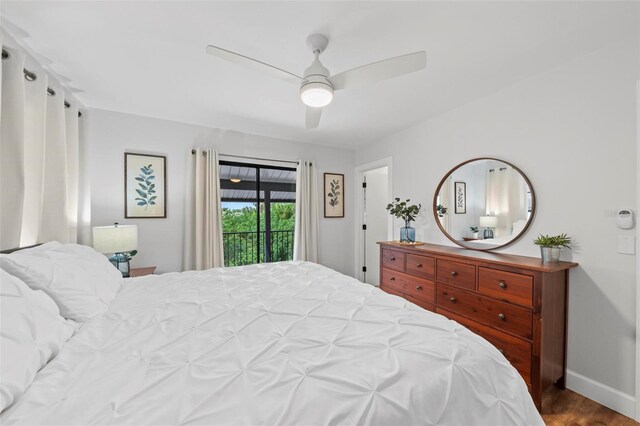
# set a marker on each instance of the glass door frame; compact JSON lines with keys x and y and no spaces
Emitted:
{"x":266,"y":201}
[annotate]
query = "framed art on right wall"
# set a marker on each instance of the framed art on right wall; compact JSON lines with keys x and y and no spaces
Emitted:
{"x":333,"y":195}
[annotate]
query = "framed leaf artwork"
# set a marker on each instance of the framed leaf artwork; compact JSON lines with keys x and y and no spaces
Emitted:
{"x":145,"y":186}
{"x":460,"y":196}
{"x":333,"y":195}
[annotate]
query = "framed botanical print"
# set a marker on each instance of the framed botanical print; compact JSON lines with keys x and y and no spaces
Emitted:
{"x":460,"y":195}
{"x":145,"y":186}
{"x":333,"y":195}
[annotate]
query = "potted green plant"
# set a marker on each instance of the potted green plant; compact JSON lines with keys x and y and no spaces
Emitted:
{"x":407,"y":212}
{"x":550,"y":246}
{"x":474,"y":231}
{"x":442,"y":210}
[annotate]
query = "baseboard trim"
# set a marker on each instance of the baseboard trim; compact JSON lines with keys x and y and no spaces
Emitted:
{"x":602,"y":394}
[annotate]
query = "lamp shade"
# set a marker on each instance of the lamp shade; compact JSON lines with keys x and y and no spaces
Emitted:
{"x":115,"y":239}
{"x":488,"y":221}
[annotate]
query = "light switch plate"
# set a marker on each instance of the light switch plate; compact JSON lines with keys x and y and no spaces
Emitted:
{"x":626,"y":244}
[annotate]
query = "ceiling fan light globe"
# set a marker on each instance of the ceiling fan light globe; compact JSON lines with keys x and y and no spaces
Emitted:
{"x":316,"y":95}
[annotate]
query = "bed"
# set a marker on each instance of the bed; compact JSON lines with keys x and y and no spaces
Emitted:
{"x":281,"y":343}
{"x":488,"y":243}
{"x":500,"y":239}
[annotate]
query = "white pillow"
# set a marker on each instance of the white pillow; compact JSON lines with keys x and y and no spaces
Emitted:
{"x":80,"y":280}
{"x":31,"y":333}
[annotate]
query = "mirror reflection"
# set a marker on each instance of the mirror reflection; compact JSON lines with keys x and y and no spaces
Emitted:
{"x":484,"y":204}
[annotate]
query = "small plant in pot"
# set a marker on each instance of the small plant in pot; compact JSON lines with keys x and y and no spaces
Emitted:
{"x":550,"y":246}
{"x":474,"y":231}
{"x":407,"y":212}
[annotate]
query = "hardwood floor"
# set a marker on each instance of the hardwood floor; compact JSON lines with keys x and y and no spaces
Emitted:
{"x":564,"y":407}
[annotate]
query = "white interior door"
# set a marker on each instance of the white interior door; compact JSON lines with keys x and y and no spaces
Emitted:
{"x":376,"y":219}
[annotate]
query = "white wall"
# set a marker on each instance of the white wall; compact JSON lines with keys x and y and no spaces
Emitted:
{"x":109,"y":135}
{"x":572,"y":130}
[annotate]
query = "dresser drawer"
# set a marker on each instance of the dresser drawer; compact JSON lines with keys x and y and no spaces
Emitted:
{"x":514,"y":349}
{"x":501,"y":315}
{"x":393,"y":259}
{"x":414,"y":300}
{"x":422,"y":266}
{"x":516,"y":288}
{"x":407,"y":284}
{"x":456,"y":273}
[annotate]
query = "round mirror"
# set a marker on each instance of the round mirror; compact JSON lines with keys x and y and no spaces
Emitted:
{"x":484,"y":204}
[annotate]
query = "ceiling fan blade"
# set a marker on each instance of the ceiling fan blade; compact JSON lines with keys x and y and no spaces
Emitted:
{"x":252,"y":63}
{"x":378,"y":71}
{"x":312,"y":117}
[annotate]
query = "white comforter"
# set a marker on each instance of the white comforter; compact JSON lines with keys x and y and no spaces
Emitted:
{"x":284,"y":343}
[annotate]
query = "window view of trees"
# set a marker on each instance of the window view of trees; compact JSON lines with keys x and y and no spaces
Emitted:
{"x":258,"y":212}
{"x":239,"y":224}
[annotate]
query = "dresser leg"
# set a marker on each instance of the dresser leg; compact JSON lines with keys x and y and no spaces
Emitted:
{"x":537,"y":401}
{"x":561,"y":383}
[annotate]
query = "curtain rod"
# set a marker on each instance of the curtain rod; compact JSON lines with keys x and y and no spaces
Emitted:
{"x":31,"y":76}
{"x":258,"y":158}
{"x":193,"y":151}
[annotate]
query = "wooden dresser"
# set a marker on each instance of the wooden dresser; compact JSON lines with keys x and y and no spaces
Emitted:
{"x":517,"y":303}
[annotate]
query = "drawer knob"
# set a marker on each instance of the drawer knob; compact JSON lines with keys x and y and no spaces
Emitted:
{"x":419,"y":265}
{"x":392,"y":259}
{"x":418,"y":287}
{"x":454,"y":273}
{"x":453,"y":300}
{"x":501,"y":316}
{"x":502,"y":284}
{"x":392,"y":279}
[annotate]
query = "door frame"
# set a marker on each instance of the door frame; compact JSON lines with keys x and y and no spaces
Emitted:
{"x":267,"y":205}
{"x":359,"y":175}
{"x":637,"y":395}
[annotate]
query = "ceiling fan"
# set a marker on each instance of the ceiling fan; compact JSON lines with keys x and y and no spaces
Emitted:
{"x":317,"y":84}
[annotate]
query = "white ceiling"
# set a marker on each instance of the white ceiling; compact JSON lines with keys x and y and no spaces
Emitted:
{"x":148,"y":57}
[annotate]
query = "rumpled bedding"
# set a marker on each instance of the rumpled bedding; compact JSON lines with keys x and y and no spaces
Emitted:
{"x":281,"y":343}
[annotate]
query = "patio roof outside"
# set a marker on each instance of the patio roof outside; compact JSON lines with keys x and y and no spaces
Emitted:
{"x":280,"y":184}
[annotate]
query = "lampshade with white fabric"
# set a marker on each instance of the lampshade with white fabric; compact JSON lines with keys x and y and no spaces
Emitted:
{"x":488,"y":221}
{"x":115,"y":238}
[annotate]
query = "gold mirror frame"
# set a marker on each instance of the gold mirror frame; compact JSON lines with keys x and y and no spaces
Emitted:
{"x":514,"y":239}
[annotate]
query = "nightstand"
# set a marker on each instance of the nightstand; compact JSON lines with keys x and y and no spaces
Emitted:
{"x":140,"y":272}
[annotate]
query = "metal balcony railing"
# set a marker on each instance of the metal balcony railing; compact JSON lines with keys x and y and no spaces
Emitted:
{"x":241,"y":248}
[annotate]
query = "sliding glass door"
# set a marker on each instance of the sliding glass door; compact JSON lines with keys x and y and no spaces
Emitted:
{"x":258,"y":212}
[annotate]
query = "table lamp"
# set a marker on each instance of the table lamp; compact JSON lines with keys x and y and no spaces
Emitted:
{"x":488,"y":223}
{"x":119,"y":240}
